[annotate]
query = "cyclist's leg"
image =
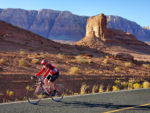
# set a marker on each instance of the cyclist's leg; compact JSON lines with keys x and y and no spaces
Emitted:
{"x":52,"y":80}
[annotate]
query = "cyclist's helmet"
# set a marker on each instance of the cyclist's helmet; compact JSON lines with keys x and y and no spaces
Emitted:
{"x":44,"y":61}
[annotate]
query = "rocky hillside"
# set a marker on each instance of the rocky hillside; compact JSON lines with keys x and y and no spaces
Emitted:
{"x":98,"y":36}
{"x":63,"y":25}
{"x":14,"y":38}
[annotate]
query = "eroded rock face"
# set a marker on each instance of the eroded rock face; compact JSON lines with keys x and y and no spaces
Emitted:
{"x":96,"y":28}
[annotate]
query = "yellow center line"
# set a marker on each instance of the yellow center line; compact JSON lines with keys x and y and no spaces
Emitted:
{"x":126,"y":108}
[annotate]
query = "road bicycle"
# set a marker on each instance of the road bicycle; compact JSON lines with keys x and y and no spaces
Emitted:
{"x":38,"y":91}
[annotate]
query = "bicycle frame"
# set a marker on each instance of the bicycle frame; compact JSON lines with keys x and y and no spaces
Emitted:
{"x":34,"y":96}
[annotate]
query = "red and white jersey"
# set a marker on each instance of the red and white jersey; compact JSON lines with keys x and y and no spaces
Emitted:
{"x":50,"y":69}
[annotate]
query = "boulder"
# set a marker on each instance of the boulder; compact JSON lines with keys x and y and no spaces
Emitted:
{"x":124,"y":57}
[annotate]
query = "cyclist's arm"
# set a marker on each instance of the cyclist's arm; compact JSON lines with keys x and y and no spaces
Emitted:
{"x":48,"y":70}
{"x":39,"y":73}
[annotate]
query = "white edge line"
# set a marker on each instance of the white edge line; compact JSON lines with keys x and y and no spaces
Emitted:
{"x":80,"y":95}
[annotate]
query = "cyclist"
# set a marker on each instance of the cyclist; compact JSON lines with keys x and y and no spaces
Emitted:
{"x":50,"y":76}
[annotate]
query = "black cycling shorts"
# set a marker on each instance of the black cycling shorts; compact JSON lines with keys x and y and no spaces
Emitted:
{"x":53,"y":77}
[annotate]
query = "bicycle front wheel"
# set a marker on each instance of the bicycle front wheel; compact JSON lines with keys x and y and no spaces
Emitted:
{"x":60,"y":91}
{"x":34,"y":94}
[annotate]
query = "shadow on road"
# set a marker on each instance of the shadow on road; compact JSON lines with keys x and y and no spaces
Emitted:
{"x":81,"y":104}
{"x":103,"y":105}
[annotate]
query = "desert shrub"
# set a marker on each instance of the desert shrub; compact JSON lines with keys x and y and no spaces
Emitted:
{"x":2,"y":61}
{"x":22,"y":62}
{"x":137,"y":85}
{"x":130,"y":83}
{"x":42,"y":55}
{"x":35,"y":61}
{"x":107,"y":57}
{"x":146,"y":65}
{"x":117,"y":82}
{"x":146,"y":84}
{"x":105,"y":61}
{"x":9,"y":93}
{"x":128,"y":64}
{"x":124,"y":84}
{"x":130,"y":86}
{"x":80,"y":60}
{"x":74,"y":70}
{"x":115,"y":88}
{"x":60,"y":56}
{"x":94,"y":89}
{"x":30,"y":49}
{"x":101,"y":89}
{"x":21,"y":52}
{"x":75,"y":93}
{"x":27,"y":87}
{"x":117,"y":69}
{"x":83,"y":88}
{"x":108,"y":88}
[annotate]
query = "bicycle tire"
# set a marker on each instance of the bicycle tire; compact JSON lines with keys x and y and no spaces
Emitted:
{"x":34,"y":95}
{"x":60,"y":91}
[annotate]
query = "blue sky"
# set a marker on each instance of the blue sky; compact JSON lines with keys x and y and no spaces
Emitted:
{"x":134,"y":10}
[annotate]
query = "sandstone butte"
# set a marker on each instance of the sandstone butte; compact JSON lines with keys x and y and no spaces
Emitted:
{"x":98,"y":36}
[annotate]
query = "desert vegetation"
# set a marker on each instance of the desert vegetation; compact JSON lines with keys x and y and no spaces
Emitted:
{"x":80,"y":74}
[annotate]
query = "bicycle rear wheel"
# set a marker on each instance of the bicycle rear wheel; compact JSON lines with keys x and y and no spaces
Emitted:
{"x":60,"y":91}
{"x":34,"y":94}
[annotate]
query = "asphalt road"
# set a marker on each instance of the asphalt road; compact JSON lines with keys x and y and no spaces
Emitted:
{"x":135,"y":101}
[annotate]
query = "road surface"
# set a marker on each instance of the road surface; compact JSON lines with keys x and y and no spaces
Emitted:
{"x":134,"y":101}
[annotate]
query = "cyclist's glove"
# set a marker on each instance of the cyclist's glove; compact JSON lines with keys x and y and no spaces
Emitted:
{"x":42,"y":78}
{"x":32,"y":77}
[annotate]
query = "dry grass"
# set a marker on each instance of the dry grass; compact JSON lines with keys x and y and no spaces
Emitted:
{"x":146,"y":84}
{"x":101,"y":89}
{"x":21,"y":52}
{"x":105,"y":61}
{"x":42,"y":55}
{"x":124,"y":84}
{"x":137,"y":85}
{"x":23,"y":62}
{"x":117,"y":69}
{"x":9,"y":93}
{"x":83,"y":88}
{"x":2,"y":61}
{"x":108,"y":88}
{"x":94,"y":89}
{"x":80,"y":60}
{"x":115,"y":88}
{"x":128,"y":64}
{"x":60,"y":56}
{"x":27,"y":87}
{"x":35,"y":61}
{"x":74,"y":70}
{"x":146,"y":65}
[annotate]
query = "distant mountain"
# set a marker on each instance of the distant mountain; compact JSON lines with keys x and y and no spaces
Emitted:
{"x":117,"y":22}
{"x":146,"y":27}
{"x":63,"y":25}
{"x":58,"y":25}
